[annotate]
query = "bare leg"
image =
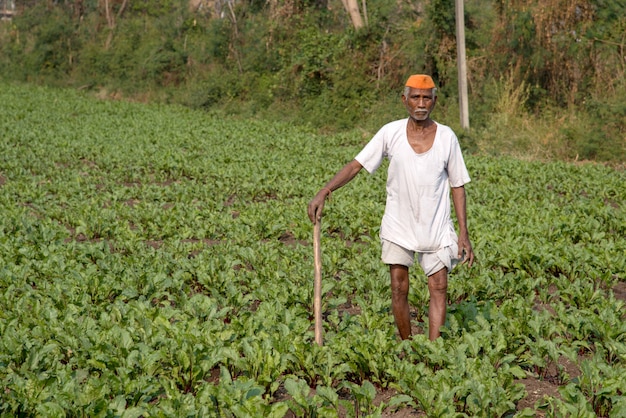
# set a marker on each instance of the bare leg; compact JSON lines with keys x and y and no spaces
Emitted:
{"x":399,"y":299}
{"x":438,"y":288}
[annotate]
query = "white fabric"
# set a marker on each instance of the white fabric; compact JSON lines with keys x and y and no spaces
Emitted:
{"x":392,"y":253}
{"x":431,"y":263}
{"x":417,"y":212}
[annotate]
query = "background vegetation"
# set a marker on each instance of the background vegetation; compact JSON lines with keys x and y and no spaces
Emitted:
{"x":546,"y":78}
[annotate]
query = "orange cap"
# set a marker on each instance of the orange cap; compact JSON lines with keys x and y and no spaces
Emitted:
{"x":420,"y":81}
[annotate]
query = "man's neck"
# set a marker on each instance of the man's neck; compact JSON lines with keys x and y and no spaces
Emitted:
{"x":420,"y":125}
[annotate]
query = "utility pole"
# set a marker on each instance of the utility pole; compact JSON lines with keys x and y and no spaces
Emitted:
{"x":461,"y":64}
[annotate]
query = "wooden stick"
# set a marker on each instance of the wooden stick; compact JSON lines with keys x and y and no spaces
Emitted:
{"x":317,"y":292}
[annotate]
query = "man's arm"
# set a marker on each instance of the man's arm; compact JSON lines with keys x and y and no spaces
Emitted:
{"x":347,"y":173}
{"x":465,"y":246}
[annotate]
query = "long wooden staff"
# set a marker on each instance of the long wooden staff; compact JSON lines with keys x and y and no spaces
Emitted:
{"x":317,"y":292}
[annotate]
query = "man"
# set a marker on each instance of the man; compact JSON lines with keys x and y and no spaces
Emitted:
{"x":425,"y":167}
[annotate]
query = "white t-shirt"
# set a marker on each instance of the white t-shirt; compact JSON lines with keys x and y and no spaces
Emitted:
{"x":417,"y":213}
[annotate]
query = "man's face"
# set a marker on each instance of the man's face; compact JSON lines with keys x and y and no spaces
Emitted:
{"x":419,"y":103}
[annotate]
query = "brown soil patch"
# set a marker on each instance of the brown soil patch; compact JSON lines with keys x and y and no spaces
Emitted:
{"x":131,"y":184}
{"x":214,"y":377}
{"x":247,"y":267}
{"x":264,"y":197}
{"x":154,"y":244}
{"x":385,"y":395}
{"x":290,"y":240}
{"x":80,"y":237}
{"x":540,"y":306}
{"x":231,"y":200}
{"x":349,"y":308}
{"x":89,"y":163}
{"x":536,"y":390}
{"x":612,"y":203}
{"x":548,"y":387}
{"x":131,"y":202}
{"x":619,"y":290}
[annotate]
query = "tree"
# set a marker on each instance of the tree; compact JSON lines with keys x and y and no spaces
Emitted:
{"x":112,"y":17}
{"x":352,"y":7}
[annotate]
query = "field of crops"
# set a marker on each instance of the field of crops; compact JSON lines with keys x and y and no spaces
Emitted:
{"x":157,"y":261}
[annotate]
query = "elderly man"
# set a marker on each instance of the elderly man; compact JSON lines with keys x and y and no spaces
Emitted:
{"x":426,"y":166}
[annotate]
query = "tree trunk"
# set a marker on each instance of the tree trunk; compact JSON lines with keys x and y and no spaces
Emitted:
{"x":352,"y":7}
{"x":111,"y":19}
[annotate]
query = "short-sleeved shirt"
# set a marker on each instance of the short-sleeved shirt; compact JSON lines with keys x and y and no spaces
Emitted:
{"x":417,"y":211}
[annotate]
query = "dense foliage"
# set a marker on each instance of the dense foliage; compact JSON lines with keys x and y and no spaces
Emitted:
{"x":156,"y":261}
{"x":546,"y":78}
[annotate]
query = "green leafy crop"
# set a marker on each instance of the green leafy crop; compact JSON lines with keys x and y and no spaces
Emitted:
{"x":157,"y":261}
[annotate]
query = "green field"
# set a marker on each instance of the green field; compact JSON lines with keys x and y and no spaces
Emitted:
{"x":157,"y":261}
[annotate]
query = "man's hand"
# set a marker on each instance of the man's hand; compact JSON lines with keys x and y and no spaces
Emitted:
{"x":466,"y":253}
{"x":316,"y":205}
{"x":342,"y":177}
